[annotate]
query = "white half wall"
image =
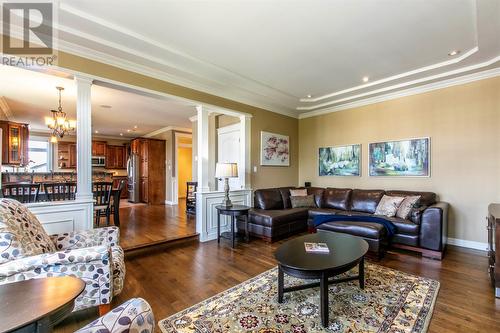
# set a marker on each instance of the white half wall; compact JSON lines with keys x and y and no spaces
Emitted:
{"x":206,"y":226}
{"x":64,"y":216}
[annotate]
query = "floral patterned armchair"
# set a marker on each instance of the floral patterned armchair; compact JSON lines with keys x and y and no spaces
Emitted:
{"x":27,"y":252}
{"x":135,"y":315}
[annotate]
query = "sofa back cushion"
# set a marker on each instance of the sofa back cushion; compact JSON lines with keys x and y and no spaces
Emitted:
{"x":303,"y":201}
{"x":21,"y":234}
{"x":426,"y":198}
{"x":366,"y":200}
{"x":268,"y":199}
{"x":336,"y":198}
{"x":318,"y":194}
{"x":285,"y":196}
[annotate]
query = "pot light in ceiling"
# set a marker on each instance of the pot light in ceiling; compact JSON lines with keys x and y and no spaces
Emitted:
{"x":309,"y":95}
{"x":121,"y":134}
{"x":454,"y":53}
{"x":128,"y":131}
{"x":135,"y":126}
{"x":96,"y":132}
{"x":366,"y":79}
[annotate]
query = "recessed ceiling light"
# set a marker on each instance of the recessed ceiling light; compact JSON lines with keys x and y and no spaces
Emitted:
{"x":135,"y":126}
{"x":454,"y":53}
{"x":366,"y":79}
{"x":96,"y":131}
{"x":105,"y":106}
{"x":128,"y":130}
{"x":309,"y":95}
{"x":121,"y":134}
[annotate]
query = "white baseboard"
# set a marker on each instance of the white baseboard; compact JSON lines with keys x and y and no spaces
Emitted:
{"x":170,"y":203}
{"x":468,"y":244}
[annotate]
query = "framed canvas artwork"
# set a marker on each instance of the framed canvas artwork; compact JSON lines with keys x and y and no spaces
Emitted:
{"x":274,"y":149}
{"x":340,"y":161}
{"x":403,"y":158}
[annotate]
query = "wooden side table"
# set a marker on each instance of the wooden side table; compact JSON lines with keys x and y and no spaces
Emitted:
{"x":234,"y":211}
{"x":37,"y":305}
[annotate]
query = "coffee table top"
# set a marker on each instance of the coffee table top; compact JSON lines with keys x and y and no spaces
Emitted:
{"x":28,"y":301}
{"x":344,"y":250}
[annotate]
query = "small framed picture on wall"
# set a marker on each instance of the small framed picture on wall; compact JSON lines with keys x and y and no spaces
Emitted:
{"x":274,"y":149}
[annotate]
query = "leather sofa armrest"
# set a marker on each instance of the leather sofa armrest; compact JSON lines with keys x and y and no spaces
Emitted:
{"x":434,"y":227}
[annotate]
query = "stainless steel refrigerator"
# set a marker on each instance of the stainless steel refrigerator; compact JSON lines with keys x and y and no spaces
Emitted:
{"x":133,"y":178}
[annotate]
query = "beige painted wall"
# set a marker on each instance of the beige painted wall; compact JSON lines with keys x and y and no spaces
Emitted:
{"x":263,"y":120}
{"x":463,"y":123}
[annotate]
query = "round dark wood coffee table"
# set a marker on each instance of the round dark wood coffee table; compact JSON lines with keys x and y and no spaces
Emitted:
{"x":37,"y":305}
{"x":346,"y":252}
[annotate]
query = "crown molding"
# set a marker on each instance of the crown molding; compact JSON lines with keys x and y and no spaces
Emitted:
{"x":167,"y":128}
{"x":393,"y":78}
{"x":193,"y":118}
{"x":408,"y":92}
{"x":164,"y":76}
{"x":5,"y":108}
{"x":405,"y":84}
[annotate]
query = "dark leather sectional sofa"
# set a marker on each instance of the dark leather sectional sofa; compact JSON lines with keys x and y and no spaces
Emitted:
{"x":424,"y":231}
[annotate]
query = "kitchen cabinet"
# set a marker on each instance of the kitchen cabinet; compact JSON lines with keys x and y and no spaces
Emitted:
{"x":15,"y":139}
{"x":66,"y":155}
{"x":116,"y":157}
{"x":152,"y":173}
{"x":72,"y":155}
{"x":98,"y":148}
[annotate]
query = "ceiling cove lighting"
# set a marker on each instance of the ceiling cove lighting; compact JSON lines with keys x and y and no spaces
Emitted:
{"x":454,"y":53}
{"x":58,"y":122}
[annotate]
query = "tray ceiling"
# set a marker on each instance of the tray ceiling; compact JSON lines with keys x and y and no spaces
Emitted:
{"x":274,"y":54}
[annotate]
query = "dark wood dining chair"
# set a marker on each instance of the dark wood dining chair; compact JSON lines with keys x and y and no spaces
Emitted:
{"x":191,"y":197}
{"x":102,"y":198}
{"x":115,"y":202}
{"x":22,"y":192}
{"x":60,"y":191}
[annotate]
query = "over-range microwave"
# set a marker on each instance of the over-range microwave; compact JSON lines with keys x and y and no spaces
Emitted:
{"x":98,"y":161}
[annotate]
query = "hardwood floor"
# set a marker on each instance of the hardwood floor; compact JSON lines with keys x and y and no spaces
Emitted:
{"x":142,"y":224}
{"x":174,"y":278}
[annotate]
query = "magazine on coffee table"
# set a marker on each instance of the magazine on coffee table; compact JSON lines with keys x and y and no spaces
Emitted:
{"x":316,"y":247}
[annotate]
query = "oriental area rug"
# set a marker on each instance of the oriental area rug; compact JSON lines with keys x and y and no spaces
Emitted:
{"x":392,"y":301}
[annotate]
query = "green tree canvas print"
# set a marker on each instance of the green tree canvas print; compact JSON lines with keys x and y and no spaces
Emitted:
{"x":408,"y":158}
{"x":340,"y":161}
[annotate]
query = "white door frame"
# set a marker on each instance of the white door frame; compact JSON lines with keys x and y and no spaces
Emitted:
{"x":175,"y":179}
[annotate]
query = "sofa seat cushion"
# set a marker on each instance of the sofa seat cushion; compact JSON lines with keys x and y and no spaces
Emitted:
{"x":273,"y":218}
{"x":324,"y":211}
{"x":361,"y":229}
{"x":406,"y":227}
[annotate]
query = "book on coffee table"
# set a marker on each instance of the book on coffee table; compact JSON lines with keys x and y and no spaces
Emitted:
{"x":316,"y":247}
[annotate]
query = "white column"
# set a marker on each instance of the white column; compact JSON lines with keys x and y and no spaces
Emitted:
{"x":245,"y":154}
{"x":83,"y":137}
{"x":203,"y":149}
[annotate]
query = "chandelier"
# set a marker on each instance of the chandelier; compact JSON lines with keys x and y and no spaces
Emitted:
{"x":58,"y":122}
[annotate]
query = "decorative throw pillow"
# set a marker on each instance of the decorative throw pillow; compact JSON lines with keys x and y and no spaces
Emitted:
{"x":298,"y":193}
{"x":388,"y":205}
{"x":21,"y":234}
{"x":302,"y":201}
{"x":406,"y":206}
